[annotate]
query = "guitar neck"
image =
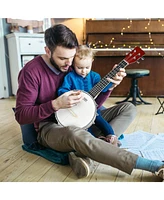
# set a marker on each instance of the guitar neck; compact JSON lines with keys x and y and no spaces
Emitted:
{"x":100,"y":86}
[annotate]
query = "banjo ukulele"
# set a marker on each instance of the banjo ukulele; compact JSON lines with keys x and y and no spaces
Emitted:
{"x":84,"y":113}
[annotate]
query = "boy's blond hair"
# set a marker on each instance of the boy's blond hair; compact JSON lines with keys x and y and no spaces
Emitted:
{"x":83,"y":51}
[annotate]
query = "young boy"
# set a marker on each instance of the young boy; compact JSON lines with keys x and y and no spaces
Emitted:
{"x":83,"y":78}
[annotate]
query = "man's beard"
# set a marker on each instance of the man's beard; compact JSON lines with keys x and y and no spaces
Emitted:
{"x":53,"y":63}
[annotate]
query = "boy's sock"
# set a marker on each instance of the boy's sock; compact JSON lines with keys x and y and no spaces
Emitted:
{"x":148,"y":165}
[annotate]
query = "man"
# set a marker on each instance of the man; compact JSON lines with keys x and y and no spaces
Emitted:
{"x":37,"y":102}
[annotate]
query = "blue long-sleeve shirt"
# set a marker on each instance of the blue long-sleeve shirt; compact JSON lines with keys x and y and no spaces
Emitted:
{"x":73,"y":81}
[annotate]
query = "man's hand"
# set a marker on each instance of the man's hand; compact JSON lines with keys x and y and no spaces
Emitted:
{"x":67,"y":100}
{"x":118,"y":78}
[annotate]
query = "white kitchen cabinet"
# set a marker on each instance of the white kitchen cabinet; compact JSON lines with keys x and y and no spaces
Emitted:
{"x":22,"y":47}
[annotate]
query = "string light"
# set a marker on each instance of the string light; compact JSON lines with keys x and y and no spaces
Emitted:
{"x":152,"y":42}
{"x":122,"y":31}
{"x":100,"y":44}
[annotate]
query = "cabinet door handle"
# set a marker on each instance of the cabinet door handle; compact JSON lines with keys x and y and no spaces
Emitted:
{"x":29,"y":43}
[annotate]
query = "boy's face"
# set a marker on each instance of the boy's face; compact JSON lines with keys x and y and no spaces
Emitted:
{"x":82,"y":66}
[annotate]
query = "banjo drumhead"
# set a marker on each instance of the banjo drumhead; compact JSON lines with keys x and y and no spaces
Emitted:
{"x":81,"y":115}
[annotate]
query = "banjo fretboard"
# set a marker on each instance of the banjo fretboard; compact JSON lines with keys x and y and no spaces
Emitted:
{"x":100,"y":86}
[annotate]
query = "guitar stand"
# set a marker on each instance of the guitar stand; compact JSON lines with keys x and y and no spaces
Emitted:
{"x":161,"y":105}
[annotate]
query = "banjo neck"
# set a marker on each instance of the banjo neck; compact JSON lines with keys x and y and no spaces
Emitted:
{"x":130,"y":58}
{"x":101,"y":85}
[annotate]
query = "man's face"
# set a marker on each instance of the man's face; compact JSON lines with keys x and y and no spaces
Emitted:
{"x":62,"y":58}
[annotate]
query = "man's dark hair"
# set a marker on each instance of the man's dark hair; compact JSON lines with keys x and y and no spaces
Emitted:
{"x":60,"y":35}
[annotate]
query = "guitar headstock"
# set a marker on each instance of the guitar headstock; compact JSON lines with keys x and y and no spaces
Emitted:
{"x":134,"y":55}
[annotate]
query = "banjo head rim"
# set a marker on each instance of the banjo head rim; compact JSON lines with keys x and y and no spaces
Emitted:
{"x":57,"y":113}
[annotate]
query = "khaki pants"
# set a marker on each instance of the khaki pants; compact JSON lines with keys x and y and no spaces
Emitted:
{"x":71,"y":138}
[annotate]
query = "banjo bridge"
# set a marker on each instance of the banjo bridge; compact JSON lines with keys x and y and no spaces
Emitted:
{"x":72,"y":112}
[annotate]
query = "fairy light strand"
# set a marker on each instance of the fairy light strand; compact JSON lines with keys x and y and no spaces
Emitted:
{"x":102,"y":45}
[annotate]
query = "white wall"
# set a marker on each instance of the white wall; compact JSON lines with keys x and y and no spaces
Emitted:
{"x":4,"y":93}
{"x":77,"y":25}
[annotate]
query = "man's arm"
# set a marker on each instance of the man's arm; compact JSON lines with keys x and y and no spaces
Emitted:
{"x":28,"y":110}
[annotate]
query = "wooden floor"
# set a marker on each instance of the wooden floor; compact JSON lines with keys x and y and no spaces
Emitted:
{"x":17,"y":165}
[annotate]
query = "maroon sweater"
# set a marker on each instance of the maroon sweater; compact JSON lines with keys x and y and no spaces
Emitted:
{"x":38,"y":85}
